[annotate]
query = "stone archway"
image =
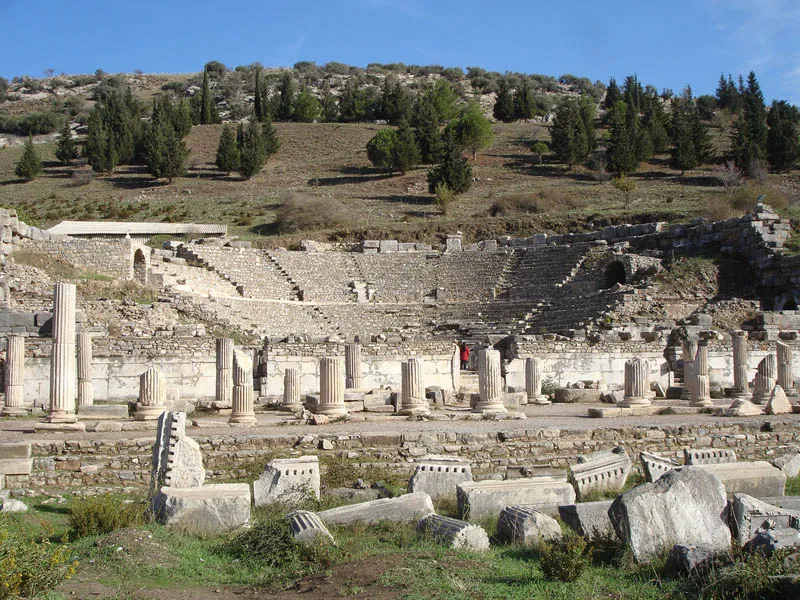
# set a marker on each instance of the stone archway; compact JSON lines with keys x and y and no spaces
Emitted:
{"x":139,"y":267}
{"x":614,"y":273}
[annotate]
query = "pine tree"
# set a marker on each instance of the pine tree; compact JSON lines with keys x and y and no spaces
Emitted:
{"x":472,"y":131}
{"x":227,"y":151}
{"x":750,"y":137}
{"x":426,"y":123}
{"x":567,"y":133}
{"x":285,"y":97}
{"x":252,"y":154}
{"x":270,"y":138}
{"x":258,"y":104}
{"x":524,"y":101}
{"x":29,"y":165}
{"x":381,"y":149}
{"x":504,"y":104}
{"x":454,"y":171}
{"x":783,"y":145}
{"x":66,"y":150}
{"x":612,"y":94}
{"x":306,"y":107}
{"x":622,"y":144}
{"x":406,"y":153}
{"x":206,"y":112}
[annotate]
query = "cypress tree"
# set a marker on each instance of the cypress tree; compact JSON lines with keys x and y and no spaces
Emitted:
{"x":445,"y":100}
{"x":504,"y":104}
{"x":612,"y":94}
{"x":100,"y":150}
{"x":750,"y":137}
{"x":257,"y":103}
{"x":622,"y":145}
{"x":524,"y":102}
{"x":252,"y":154}
{"x":330,"y":108}
{"x":588,"y":116}
{"x":29,"y":165}
{"x":66,"y":150}
{"x":426,"y":123}
{"x":568,"y":134}
{"x":165,"y":152}
{"x":783,"y":145}
{"x":406,"y":153}
{"x":206,"y":112}
{"x":227,"y":151}
{"x":454,"y":171}
{"x":270,"y":138}
{"x":285,"y":100}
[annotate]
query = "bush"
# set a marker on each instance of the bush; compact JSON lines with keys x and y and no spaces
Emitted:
{"x":299,"y":213}
{"x":30,"y":567}
{"x":268,"y":543}
{"x":746,"y":577}
{"x":97,"y":515}
{"x":565,"y":559}
{"x":444,"y":196}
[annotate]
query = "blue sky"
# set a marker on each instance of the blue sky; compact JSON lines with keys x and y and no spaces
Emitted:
{"x":668,"y":44}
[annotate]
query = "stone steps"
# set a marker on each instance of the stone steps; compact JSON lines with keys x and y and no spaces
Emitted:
{"x":187,"y":279}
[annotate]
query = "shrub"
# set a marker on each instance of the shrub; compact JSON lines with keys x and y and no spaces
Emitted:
{"x":79,"y":178}
{"x":30,"y":567}
{"x":565,"y":559}
{"x":746,"y":577}
{"x":97,"y":515}
{"x":268,"y":543}
{"x":444,"y":196}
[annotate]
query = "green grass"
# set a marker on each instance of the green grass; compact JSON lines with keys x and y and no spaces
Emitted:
{"x":792,"y":486}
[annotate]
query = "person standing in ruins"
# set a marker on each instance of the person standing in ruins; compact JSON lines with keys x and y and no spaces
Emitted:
{"x":464,"y":355}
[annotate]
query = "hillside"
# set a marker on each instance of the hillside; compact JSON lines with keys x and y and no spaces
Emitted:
{"x":323,"y":171}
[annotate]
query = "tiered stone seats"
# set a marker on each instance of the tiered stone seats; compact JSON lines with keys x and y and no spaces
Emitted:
{"x":191,"y":280}
{"x":400,"y":277}
{"x":469,"y":276}
{"x":541,"y":271}
{"x":271,"y":318}
{"x":320,"y":276}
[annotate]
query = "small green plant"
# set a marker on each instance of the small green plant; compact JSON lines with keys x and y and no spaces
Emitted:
{"x":792,"y":486}
{"x":745,"y":577}
{"x":97,"y":515}
{"x":549,"y":386}
{"x":267,"y":543}
{"x":444,"y":197}
{"x":565,"y":559}
{"x":31,"y":567}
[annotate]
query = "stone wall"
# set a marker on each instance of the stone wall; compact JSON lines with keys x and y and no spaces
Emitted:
{"x":110,"y":257}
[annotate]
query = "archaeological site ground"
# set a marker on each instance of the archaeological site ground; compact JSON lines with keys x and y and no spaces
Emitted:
{"x":200,"y":404}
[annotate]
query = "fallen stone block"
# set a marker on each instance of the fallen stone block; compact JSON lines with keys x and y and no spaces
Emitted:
{"x":708,"y":456}
{"x":526,"y":525}
{"x":454,"y":533}
{"x":177,"y":461}
{"x":287,"y":481}
{"x":480,"y":499}
{"x":605,"y":471}
{"x":203,"y":510}
{"x":758,"y":478}
{"x":573,"y":395}
{"x":749,"y":515}
{"x":769,"y":540}
{"x":655,"y":466}
{"x":788,"y":502}
{"x":686,"y":559}
{"x":685,"y":506}
{"x":588,"y":519}
{"x":103,"y":412}
{"x":438,"y":476}
{"x":357,"y":494}
{"x":307,"y":527}
{"x":406,"y":508}
{"x":10,"y":505}
{"x":778,"y":403}
{"x":789,"y":464}
{"x":742,"y":407}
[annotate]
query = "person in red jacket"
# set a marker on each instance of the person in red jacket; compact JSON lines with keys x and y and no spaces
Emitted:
{"x":464,"y":356}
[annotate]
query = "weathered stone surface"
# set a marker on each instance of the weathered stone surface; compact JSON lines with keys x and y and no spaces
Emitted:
{"x":177,"y":461}
{"x":588,"y":519}
{"x":204,"y":510}
{"x":63,"y":371}
{"x":438,"y":476}
{"x":453,"y":533}
{"x":685,"y":559}
{"x":480,"y":499}
{"x":10,"y":505}
{"x":655,"y":466}
{"x":287,"y":481}
{"x":771,"y":538}
{"x":778,"y":403}
{"x":788,"y":463}
{"x":100,"y":412}
{"x":308,"y":528}
{"x":749,"y":514}
{"x":603,"y":471}
{"x":708,"y":456}
{"x":685,"y":506}
{"x":405,"y":508}
{"x":742,"y":407}
{"x":637,"y":383}
{"x":572,"y":396}
{"x":758,"y":478}
{"x":526,"y":525}
{"x":15,"y":450}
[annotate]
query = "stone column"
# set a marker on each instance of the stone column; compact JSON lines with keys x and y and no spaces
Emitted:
{"x":701,"y":395}
{"x":637,"y":383}
{"x":490,"y":382}
{"x":291,"y":390}
{"x":85,"y":387}
{"x":533,"y":381}
{"x":62,"y":359}
{"x":785,"y":369}
{"x":224,"y":372}
{"x":243,"y":412}
{"x":766,"y":377}
{"x":15,"y":377}
{"x":331,"y":388}
{"x":152,"y":395}
{"x":689,"y":380}
{"x":412,"y":396}
{"x":741,"y":389}
{"x":352,"y":366}
{"x":689,"y":352}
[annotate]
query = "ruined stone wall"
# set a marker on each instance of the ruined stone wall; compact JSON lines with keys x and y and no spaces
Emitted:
{"x":110,"y":257}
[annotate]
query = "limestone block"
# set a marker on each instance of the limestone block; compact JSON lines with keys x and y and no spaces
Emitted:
{"x":287,"y":481}
{"x":454,"y":533}
{"x":15,"y":450}
{"x":655,"y":466}
{"x":778,"y":403}
{"x":588,"y":519}
{"x":438,"y":476}
{"x":406,"y":508}
{"x":526,"y":525}
{"x":604,"y":471}
{"x":742,"y":407}
{"x":772,"y":538}
{"x":177,"y":460}
{"x":789,"y":464}
{"x":480,"y":499}
{"x":203,"y":510}
{"x":685,"y":506}
{"x":100,"y":412}
{"x":758,"y":478}
{"x":708,"y":456}
{"x":749,"y":514}
{"x":685,"y":559}
{"x":11,"y":505}
{"x":308,"y":528}
{"x":570,"y":395}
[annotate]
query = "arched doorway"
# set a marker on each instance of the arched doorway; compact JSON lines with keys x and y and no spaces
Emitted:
{"x":140,"y":267}
{"x":615,"y":273}
{"x":787,"y":301}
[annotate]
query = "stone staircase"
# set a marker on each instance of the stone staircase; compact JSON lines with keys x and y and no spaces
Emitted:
{"x":185,"y":279}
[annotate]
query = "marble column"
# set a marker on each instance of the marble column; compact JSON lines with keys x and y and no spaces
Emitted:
{"x":85,"y":387}
{"x":701,"y":395}
{"x":243,"y":412}
{"x":637,"y":383}
{"x":490,"y":382}
{"x":331,"y":388}
{"x":152,"y":395}
{"x":766,"y":378}
{"x":291,"y":390}
{"x":533,"y":382}
{"x":224,"y":389}
{"x":741,"y":388}
{"x":412,"y":395}
{"x":15,"y":377}
{"x":62,"y":359}
{"x":689,"y":380}
{"x":785,"y":369}
{"x":689,"y":352}
{"x":352,"y":366}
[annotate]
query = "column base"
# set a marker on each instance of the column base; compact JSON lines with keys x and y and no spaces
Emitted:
{"x":148,"y":413}
{"x":60,"y":427}
{"x":414,"y":409}
{"x":334,"y":410}
{"x":61,"y":417}
{"x":540,"y":400}
{"x":293,"y":407}
{"x":489,"y":407}
{"x":702,"y":403}
{"x":759,"y":399}
{"x":246,"y":420}
{"x":13,"y":411}
{"x":634,"y":401}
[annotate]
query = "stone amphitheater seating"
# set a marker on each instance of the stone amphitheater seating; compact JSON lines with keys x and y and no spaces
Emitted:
{"x":541,"y":271}
{"x":402,"y":277}
{"x":470,"y":276}
{"x":320,"y":276}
